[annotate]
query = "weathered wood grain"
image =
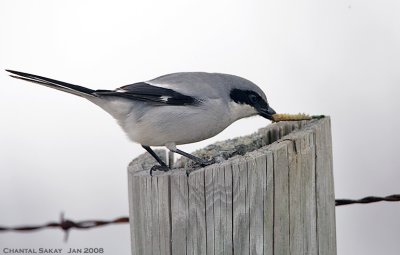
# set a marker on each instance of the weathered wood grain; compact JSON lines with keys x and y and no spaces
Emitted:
{"x":268,"y":199}
{"x":179,"y":213}
{"x":218,"y":217}
{"x":295,"y":207}
{"x":155,"y":216}
{"x":256,"y":176}
{"x":324,"y":188}
{"x":278,"y":198}
{"x":164,"y":205}
{"x":134,"y":201}
{"x":240,"y":208}
{"x":227,"y":209}
{"x":308,"y":196}
{"x":209,"y":191}
{"x":197,"y":222}
{"x":281,"y":199}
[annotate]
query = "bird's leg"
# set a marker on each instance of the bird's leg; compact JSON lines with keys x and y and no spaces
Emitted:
{"x":200,"y":161}
{"x":162,"y":167}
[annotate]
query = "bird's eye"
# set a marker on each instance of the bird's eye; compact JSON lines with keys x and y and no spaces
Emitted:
{"x":253,"y":98}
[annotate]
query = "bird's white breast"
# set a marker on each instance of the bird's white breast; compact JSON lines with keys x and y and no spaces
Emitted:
{"x":157,"y":125}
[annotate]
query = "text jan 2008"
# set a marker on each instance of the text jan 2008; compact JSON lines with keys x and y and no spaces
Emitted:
{"x":52,"y":251}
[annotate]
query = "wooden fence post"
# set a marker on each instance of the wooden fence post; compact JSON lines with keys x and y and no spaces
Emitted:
{"x":277,"y":198}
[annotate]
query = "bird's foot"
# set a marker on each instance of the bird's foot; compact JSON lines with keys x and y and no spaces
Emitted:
{"x":158,"y":168}
{"x":206,"y":162}
{"x":200,"y":163}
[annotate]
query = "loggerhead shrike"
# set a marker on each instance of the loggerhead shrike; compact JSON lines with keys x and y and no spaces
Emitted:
{"x":173,"y":109}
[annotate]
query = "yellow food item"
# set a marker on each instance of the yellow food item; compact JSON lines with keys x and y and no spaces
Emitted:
{"x":291,"y":117}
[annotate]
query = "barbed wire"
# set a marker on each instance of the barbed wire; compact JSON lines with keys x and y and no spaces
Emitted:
{"x":66,"y":225}
{"x":368,"y":200}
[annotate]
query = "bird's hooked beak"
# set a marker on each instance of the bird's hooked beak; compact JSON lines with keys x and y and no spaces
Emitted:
{"x":266,"y":112}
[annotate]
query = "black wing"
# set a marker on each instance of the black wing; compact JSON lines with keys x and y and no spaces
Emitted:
{"x":143,"y":91}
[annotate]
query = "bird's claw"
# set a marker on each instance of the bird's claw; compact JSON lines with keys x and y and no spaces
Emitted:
{"x":201,"y":163}
{"x":158,"y":168}
{"x":205,"y":162}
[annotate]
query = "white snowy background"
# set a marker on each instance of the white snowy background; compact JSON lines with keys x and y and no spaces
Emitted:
{"x":61,"y":153}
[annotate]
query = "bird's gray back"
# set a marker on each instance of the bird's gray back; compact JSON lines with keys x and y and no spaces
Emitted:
{"x":202,"y":84}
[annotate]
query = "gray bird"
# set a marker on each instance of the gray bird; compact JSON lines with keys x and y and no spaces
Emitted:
{"x":173,"y":109}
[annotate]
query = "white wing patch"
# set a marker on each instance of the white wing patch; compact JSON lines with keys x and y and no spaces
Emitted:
{"x":165,"y":98}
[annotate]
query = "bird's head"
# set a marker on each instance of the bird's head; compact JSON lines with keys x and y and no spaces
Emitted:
{"x":248,"y":99}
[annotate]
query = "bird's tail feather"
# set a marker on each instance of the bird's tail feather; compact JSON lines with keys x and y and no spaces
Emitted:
{"x":55,"y":84}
